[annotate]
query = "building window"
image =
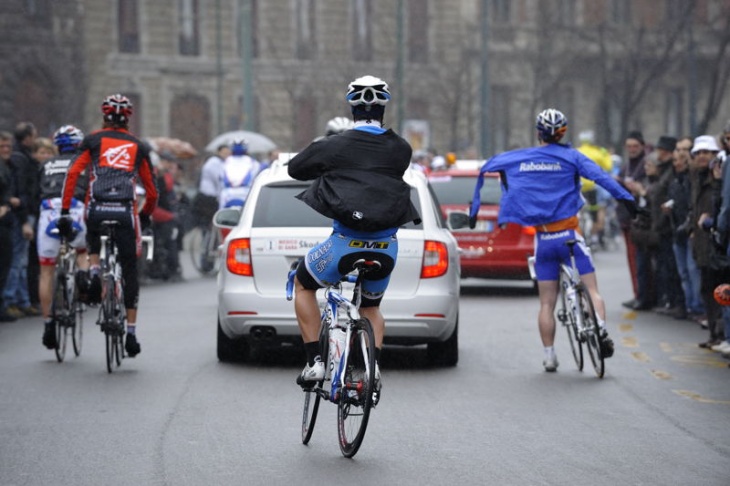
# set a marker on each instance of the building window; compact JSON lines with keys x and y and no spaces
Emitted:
{"x":305,"y":121}
{"x":189,"y":27}
{"x":362,"y":48}
{"x":620,"y":12}
{"x":417,"y":15}
{"x":128,"y":23}
{"x":674,"y":115}
{"x":306,"y":29}
{"x":501,"y":11}
{"x":567,"y":12}
{"x":500,"y":119}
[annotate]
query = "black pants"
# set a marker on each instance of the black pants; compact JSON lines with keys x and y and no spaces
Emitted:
{"x":6,"y":257}
{"x":126,"y":237}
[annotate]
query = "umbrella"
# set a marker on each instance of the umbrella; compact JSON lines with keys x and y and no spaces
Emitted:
{"x":172,"y":146}
{"x":257,"y":143}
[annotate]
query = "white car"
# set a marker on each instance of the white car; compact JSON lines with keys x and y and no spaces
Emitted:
{"x":274,"y":230}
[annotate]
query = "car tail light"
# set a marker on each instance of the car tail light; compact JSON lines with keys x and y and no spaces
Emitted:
{"x":528,"y":230}
{"x":435,"y":259}
{"x":238,"y":257}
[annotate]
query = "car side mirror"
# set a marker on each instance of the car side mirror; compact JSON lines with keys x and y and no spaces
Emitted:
{"x":227,"y":217}
{"x":457,"y":220}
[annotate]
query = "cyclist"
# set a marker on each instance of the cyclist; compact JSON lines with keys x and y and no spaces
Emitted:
{"x":205,"y":203}
{"x":238,"y":173}
{"x":52,"y":175}
{"x":596,"y":197}
{"x":358,"y":182}
{"x":541,"y":188}
{"x":115,"y":159}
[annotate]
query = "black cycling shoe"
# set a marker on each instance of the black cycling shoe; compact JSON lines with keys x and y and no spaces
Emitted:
{"x":606,"y":345}
{"x":94,"y":294}
{"x":49,"y":337}
{"x":131,"y":346}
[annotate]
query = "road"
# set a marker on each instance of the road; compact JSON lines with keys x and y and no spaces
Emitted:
{"x":176,"y":416}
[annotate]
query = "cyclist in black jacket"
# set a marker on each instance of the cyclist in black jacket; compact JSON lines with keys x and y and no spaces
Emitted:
{"x":358,"y":182}
{"x":116,"y":160}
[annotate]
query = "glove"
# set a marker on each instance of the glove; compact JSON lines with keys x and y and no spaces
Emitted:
{"x":145,"y":221}
{"x":630,"y":206}
{"x":65,"y":225}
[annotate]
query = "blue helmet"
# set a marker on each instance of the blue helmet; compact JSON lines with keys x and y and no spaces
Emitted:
{"x":239,"y":147}
{"x":551,"y":124}
{"x":68,"y":138}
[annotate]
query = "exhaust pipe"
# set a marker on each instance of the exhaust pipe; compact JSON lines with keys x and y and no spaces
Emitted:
{"x":263,"y":333}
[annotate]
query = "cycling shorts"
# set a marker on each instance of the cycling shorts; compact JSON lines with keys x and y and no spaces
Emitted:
{"x":49,"y":243}
{"x":328,"y":262}
{"x":551,"y":251}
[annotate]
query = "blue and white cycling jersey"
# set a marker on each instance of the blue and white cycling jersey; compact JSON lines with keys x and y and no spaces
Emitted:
{"x":541,"y":185}
{"x":237,"y":176}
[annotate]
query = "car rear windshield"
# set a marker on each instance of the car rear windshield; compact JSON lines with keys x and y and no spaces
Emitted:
{"x":276,"y":206}
{"x":459,"y":190}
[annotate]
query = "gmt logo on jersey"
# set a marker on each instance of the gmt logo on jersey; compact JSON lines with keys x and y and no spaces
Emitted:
{"x":378,"y":245}
{"x":118,"y":154}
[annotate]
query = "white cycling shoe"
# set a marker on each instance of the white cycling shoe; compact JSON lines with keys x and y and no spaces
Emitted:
{"x":311,"y":374}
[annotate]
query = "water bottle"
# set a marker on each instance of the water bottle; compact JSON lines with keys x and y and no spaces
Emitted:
{"x":337,"y":347}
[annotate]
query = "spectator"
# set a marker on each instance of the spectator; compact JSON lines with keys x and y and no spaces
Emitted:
{"x":670,"y":297}
{"x":678,"y":209}
{"x":631,"y":172}
{"x":704,"y":188}
{"x":24,"y":174}
{"x":205,"y":202}
{"x":165,"y":225}
{"x":644,"y":236}
{"x":7,"y":219}
{"x":421,"y":162}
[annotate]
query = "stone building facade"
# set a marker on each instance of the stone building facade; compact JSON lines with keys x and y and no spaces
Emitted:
{"x":611,"y":65}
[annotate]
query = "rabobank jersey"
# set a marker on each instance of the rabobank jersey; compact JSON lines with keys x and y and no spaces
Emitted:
{"x":541,"y":185}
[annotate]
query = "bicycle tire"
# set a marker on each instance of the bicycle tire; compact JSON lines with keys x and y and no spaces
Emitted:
{"x":356,"y":399}
{"x":201,"y":254}
{"x":77,"y":334}
{"x":592,"y":331}
{"x":311,"y":397}
{"x":57,"y":313}
{"x":567,"y":319}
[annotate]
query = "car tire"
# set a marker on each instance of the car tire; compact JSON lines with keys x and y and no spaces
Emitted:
{"x":445,"y":353}
{"x":231,"y":350}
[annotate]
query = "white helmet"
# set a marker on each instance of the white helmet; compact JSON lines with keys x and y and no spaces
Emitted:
{"x":368,"y":90}
{"x":337,"y":125}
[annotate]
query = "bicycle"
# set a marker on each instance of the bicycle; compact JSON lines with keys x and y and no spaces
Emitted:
{"x":66,"y":309}
{"x":204,"y":243}
{"x":577,"y":314}
{"x":347,"y":339}
{"x":112,"y":313}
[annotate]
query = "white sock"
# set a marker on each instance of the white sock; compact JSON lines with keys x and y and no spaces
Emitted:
{"x":549,"y":352}
{"x":601,"y":323}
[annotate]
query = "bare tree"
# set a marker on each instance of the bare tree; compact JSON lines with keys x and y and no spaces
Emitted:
{"x":718,"y":69}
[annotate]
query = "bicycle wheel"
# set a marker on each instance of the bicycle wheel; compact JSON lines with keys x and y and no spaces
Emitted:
{"x":311,"y":396}
{"x":567,"y":319}
{"x":58,"y":307}
{"x":201,"y":241}
{"x":77,"y":327}
{"x":591,"y":330}
{"x":356,"y":399}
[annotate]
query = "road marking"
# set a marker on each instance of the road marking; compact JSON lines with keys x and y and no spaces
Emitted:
{"x":625,"y":327}
{"x":631,"y":315}
{"x":700,"y":360}
{"x":639,"y":356}
{"x":630,"y":342}
{"x":662,"y":375}
{"x":666,"y":347}
{"x":699,"y":398}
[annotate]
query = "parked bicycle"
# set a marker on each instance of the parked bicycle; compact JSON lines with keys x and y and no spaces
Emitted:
{"x":576,"y":313}
{"x":112,"y":313}
{"x":66,"y":309}
{"x":348,"y":341}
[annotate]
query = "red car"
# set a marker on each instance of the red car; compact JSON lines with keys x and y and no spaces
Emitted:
{"x":487,"y":251}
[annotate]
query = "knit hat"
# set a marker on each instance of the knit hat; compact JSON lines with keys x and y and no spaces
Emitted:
{"x":636,"y":135}
{"x":667,"y":143}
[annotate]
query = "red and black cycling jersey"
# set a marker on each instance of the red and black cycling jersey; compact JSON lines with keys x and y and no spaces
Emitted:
{"x":115,"y":160}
